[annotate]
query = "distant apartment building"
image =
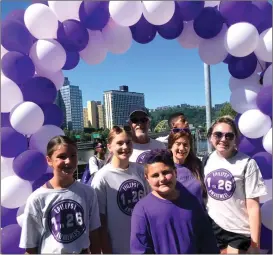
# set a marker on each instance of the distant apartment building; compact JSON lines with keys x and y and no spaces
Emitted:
{"x":69,"y":99}
{"x":100,"y":116}
{"x":117,"y":105}
{"x":92,"y":114}
{"x":85,"y":117}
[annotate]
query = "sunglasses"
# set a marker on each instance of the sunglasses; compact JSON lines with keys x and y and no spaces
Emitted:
{"x":177,"y":130}
{"x":139,"y":120}
{"x":228,"y":136}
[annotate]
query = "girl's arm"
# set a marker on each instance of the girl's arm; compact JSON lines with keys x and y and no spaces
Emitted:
{"x":95,"y":247}
{"x":104,"y":237}
{"x":32,"y":250}
{"x":254,"y":214}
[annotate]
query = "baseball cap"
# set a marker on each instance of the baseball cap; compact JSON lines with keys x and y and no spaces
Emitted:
{"x":137,"y":108}
{"x":99,"y":145}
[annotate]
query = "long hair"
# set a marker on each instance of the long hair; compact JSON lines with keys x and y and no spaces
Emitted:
{"x":192,"y":162}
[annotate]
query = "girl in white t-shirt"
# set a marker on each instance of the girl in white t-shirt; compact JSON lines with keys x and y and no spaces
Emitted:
{"x":96,"y":162}
{"x":234,"y":184}
{"x":119,"y":186}
{"x":62,"y":216}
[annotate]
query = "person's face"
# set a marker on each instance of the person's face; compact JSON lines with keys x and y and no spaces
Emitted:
{"x":121,"y":146}
{"x":161,"y":178}
{"x":100,"y":150}
{"x":139,"y":123}
{"x":223,"y":138}
{"x":181,"y":149}
{"x":180,"y":122}
{"x":64,"y":160}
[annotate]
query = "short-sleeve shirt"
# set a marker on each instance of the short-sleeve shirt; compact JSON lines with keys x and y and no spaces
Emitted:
{"x":140,"y":150}
{"x":229,"y":183}
{"x":118,"y":191}
{"x":59,"y":220}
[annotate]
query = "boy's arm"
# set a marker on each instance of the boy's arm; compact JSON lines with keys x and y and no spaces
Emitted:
{"x":95,"y":247}
{"x":141,"y":242}
{"x":104,"y":237}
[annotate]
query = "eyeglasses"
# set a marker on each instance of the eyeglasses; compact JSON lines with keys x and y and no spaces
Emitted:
{"x":176,"y":130}
{"x":139,"y":120}
{"x":228,"y":136}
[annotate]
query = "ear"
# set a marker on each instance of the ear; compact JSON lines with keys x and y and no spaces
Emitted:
{"x":109,"y":147}
{"x":49,"y":161}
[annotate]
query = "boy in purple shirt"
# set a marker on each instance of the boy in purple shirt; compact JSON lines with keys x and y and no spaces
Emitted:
{"x":170,"y":219}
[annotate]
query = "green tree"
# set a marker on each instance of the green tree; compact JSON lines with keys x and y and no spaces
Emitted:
{"x":227,"y":110}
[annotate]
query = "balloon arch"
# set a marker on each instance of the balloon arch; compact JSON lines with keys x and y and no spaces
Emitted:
{"x":48,"y":37}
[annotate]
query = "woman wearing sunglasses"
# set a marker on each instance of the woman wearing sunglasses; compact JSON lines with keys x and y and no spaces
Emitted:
{"x":188,"y":165}
{"x":234,"y":184}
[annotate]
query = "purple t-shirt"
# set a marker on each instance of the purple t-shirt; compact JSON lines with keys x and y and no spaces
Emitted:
{"x":189,"y":181}
{"x":171,"y":227}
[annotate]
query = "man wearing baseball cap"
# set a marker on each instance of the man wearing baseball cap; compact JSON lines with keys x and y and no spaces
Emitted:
{"x":139,"y":122}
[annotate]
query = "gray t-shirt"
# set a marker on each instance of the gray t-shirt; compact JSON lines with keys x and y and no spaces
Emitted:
{"x":118,"y":191}
{"x":59,"y":220}
{"x":229,"y":183}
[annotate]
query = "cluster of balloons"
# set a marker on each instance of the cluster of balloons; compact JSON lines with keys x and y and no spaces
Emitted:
{"x":48,"y":37}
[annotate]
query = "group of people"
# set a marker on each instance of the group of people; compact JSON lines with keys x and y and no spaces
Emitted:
{"x":148,"y":198}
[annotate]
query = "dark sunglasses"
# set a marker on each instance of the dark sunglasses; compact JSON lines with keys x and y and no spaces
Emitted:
{"x":228,"y":136}
{"x":139,"y":120}
{"x":176,"y":130}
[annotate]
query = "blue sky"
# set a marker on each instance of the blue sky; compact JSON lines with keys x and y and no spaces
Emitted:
{"x":164,"y":71}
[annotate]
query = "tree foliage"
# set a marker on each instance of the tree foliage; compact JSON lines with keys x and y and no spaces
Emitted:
{"x":227,"y":110}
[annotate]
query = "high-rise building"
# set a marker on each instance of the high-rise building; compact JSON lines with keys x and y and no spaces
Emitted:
{"x":85,"y":117}
{"x":70,"y":100}
{"x":92,"y":114}
{"x":117,"y":105}
{"x":100,"y":116}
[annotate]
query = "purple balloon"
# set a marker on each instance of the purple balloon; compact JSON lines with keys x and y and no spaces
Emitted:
{"x":30,"y":165}
{"x":17,"y":67}
{"x":143,"y":32}
{"x":250,"y":146}
{"x":94,"y":14}
{"x":190,"y":9}
{"x":16,"y":37}
{"x":53,"y":114}
{"x":39,"y":2}
{"x":12,"y":142}
{"x":209,"y":23}
{"x":42,"y":180}
{"x":173,"y":28}
{"x":227,"y":59}
{"x":266,"y":10}
{"x":16,"y":15}
{"x":10,"y":240}
{"x":266,"y":238}
{"x":237,"y":117}
{"x":244,"y":67}
{"x":264,"y":100}
{"x":39,"y":90}
{"x":73,"y":35}
{"x":5,"y":119}
{"x":8,"y":216}
{"x":72,"y":60}
{"x":264,"y":161}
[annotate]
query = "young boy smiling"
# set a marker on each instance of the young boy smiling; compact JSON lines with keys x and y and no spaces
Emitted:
{"x":170,"y":219}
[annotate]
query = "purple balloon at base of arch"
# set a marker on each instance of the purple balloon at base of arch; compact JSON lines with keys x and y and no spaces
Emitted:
{"x":264,"y":161}
{"x":250,"y":146}
{"x":72,"y":60}
{"x":237,"y":117}
{"x":53,"y":114}
{"x":42,"y":180}
{"x":10,"y":240}
{"x":8,"y":216}
{"x":264,"y":100}
{"x":266,"y":239}
{"x":39,"y":90}
{"x":227,"y":59}
{"x":5,"y":119}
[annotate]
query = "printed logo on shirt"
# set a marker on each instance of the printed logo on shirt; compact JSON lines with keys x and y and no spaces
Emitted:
{"x":141,"y":157}
{"x":66,"y":221}
{"x":129,"y":193}
{"x":220,"y":184}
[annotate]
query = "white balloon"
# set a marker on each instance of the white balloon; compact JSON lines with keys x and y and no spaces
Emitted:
{"x":254,"y":124}
{"x":125,"y":13}
{"x":268,"y":184}
{"x":250,"y":81}
{"x":212,"y":3}
{"x":244,"y":99}
{"x":188,"y":39}
{"x":48,"y":55}
{"x":212,"y":51}
{"x":65,"y":10}
{"x":96,"y":51}
{"x":267,"y":79}
{"x":241,"y":39}
{"x":40,"y":139}
{"x":264,"y":48}
{"x":20,"y":216}
{"x":41,"y":21}
{"x":11,"y":94}
{"x":6,"y":167}
{"x":3,"y":51}
{"x":266,"y":213}
{"x":27,"y":118}
{"x":158,"y":12}
{"x":57,"y":78}
{"x":118,"y":39}
{"x":267,"y":141}
{"x":14,"y":191}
